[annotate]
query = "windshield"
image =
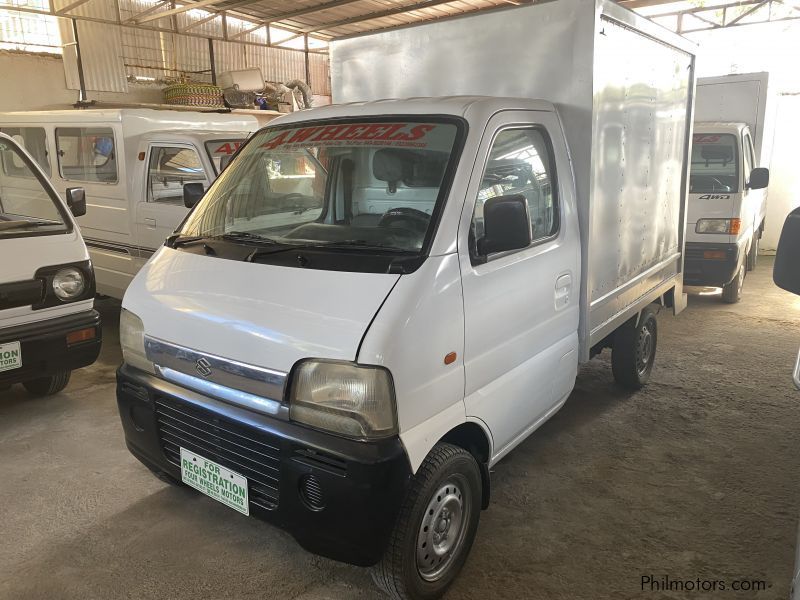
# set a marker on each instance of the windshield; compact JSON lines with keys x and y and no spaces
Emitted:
{"x":26,"y":205}
{"x":363,"y":185}
{"x":714,"y":164}
{"x":221,"y":151}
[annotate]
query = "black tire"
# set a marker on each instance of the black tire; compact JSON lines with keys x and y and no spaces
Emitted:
{"x":732,"y":292}
{"x":752,"y":255}
{"x":634,"y":350}
{"x":448,"y":480}
{"x":47,"y":386}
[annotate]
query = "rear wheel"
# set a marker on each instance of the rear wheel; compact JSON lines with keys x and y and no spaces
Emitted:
{"x":752,"y":255}
{"x":435,"y":529}
{"x":47,"y":386}
{"x":732,"y":292}
{"x":634,"y":350}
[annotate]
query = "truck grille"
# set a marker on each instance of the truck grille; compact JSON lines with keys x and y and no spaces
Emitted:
{"x":241,"y":449}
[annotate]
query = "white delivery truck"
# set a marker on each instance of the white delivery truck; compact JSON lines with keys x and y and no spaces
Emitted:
{"x":48,"y":326}
{"x":133,"y":163}
{"x":733,"y":133}
{"x":378,"y":300}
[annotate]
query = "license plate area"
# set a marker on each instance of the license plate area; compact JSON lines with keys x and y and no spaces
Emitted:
{"x":10,"y":356}
{"x":215,"y":481}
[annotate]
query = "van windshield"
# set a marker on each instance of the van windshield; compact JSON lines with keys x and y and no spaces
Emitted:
{"x":361,"y":185}
{"x":714,"y":164}
{"x":26,"y":205}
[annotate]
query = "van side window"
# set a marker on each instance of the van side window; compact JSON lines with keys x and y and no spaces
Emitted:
{"x":521,"y":162}
{"x":169,"y":169}
{"x":87,"y":154}
{"x":34,"y":140}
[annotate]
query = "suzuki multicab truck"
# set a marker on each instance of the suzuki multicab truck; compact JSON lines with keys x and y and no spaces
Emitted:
{"x":727,"y":188}
{"x":48,"y":326}
{"x":347,"y":358}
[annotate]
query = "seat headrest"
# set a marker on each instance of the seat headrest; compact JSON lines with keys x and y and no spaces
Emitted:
{"x":387,"y":165}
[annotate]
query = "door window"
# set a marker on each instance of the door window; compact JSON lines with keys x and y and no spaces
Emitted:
{"x":521,"y":162}
{"x":87,"y":154}
{"x":170,"y":168}
{"x":34,"y":140}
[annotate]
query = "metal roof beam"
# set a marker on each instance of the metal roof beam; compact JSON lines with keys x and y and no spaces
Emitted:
{"x":175,"y":11}
{"x":72,"y":6}
{"x":310,"y":9}
{"x":376,"y":15}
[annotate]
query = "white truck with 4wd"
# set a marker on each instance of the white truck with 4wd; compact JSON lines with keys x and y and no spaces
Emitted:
{"x":729,"y":175}
{"x":348,"y":358}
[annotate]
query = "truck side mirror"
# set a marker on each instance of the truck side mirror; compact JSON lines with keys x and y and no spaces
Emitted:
{"x":76,"y":201}
{"x":786,"y":271}
{"x":192,"y":193}
{"x":506,"y":225}
{"x":759,"y":178}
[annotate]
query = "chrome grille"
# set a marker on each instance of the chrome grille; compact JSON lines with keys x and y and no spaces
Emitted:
{"x":241,"y":449}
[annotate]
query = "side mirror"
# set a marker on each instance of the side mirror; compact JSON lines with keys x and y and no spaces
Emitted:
{"x":506,"y":225}
{"x":224,"y":162}
{"x":192,"y":193}
{"x":786,"y":271}
{"x":759,"y":178}
{"x":76,"y":201}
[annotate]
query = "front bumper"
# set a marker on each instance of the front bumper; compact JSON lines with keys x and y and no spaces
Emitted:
{"x":360,"y":485}
{"x":698,"y":269}
{"x":44,"y":347}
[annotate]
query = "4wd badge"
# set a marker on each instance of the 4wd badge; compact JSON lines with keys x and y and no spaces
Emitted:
{"x":715,"y":197}
{"x":203,"y":367}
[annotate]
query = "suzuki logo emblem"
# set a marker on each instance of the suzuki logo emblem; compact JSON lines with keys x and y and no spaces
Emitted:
{"x":203,"y":367}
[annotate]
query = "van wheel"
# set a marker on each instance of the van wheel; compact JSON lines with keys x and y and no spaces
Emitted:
{"x":435,"y":529}
{"x":634,"y":351}
{"x":752,"y":255}
{"x":732,"y":292}
{"x":47,"y":386}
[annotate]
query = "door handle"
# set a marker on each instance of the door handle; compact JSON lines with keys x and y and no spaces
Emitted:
{"x":151,"y":223}
{"x":563,"y":290}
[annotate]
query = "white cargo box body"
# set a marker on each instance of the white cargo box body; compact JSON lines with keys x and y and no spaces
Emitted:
{"x":623,"y":87}
{"x":744,"y":98}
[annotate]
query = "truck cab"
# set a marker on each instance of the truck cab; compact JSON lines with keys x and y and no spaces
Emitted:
{"x":48,"y":326}
{"x":727,"y":208}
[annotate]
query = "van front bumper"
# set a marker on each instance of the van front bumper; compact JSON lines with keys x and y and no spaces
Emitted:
{"x":339,"y":498}
{"x":44,"y":348}
{"x":712,"y":265}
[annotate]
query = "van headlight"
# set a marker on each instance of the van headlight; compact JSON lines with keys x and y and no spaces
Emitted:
{"x":68,"y":284}
{"x":131,"y":338}
{"x":353,"y":400}
{"x":726,"y":226}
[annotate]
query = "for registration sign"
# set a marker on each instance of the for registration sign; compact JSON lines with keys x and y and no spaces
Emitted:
{"x":10,"y":356}
{"x":215,"y":481}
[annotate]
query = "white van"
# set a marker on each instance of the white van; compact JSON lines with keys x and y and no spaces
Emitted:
{"x":48,"y":327}
{"x":133,"y":163}
{"x":377,"y":301}
{"x":729,"y":177}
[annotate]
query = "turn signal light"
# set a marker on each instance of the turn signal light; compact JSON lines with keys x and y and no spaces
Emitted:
{"x":81,"y":335}
{"x":714,"y":254}
{"x":735,"y":226}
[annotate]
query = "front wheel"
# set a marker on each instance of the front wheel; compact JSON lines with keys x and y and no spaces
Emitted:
{"x":752,"y":255}
{"x":732,"y":292}
{"x":47,"y":386}
{"x":634,"y":351}
{"x":435,"y":529}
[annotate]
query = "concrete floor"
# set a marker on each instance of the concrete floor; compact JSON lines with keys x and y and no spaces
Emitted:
{"x":696,"y":476}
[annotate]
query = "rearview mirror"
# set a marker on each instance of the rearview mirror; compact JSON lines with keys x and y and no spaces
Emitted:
{"x":76,"y":201}
{"x":759,"y":178}
{"x":786,"y":271}
{"x":506,"y":224}
{"x":192,"y":193}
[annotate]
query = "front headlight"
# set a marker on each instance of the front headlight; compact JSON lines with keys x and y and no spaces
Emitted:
{"x":356,"y":401}
{"x":131,"y":338}
{"x":725,"y":226}
{"x":68,"y":284}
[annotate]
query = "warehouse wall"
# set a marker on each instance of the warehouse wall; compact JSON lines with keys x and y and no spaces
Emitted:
{"x":25,"y":77}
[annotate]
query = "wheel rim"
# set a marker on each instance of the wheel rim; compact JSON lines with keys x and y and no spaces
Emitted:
{"x":443,"y":528}
{"x":644,"y":347}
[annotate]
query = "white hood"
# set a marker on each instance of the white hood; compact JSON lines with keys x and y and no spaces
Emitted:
{"x":263,"y":315}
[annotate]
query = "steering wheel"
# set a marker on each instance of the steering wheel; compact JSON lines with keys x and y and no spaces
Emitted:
{"x":418,"y":219}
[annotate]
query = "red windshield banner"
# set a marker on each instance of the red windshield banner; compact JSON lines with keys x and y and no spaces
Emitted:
{"x":227,"y":148}
{"x":409,"y":135}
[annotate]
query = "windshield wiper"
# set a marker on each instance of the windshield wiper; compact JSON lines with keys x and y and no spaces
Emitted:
{"x":4,"y":225}
{"x":178,"y":240}
{"x":247,"y":237}
{"x":362,"y":245}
